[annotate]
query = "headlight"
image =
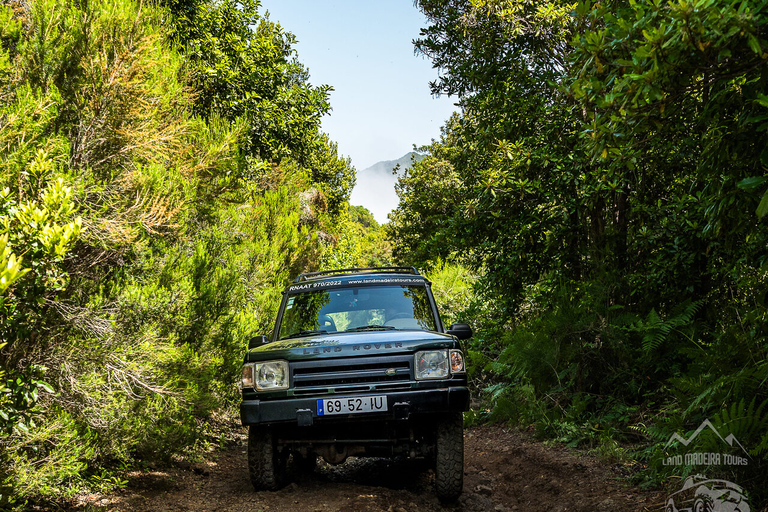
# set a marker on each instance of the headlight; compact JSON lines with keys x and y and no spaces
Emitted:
{"x":432,"y":364}
{"x":266,"y":376}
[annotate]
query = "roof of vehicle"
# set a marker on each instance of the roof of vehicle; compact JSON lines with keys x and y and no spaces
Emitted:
{"x":311,"y":276}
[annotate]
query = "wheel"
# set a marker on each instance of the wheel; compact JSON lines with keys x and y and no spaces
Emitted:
{"x":702,"y":505}
{"x":265,"y":464}
{"x":449,"y":457}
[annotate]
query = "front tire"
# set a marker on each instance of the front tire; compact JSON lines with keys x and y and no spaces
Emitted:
{"x":266,"y":466}
{"x":702,"y":505}
{"x":449,"y":458}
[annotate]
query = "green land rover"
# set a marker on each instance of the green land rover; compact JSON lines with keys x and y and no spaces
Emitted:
{"x":359,"y":364}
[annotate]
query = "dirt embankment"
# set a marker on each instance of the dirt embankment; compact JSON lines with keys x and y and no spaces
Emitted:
{"x":504,"y":471}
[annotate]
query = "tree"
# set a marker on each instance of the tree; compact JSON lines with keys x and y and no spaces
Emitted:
{"x":243,"y":66}
{"x":507,"y":197}
{"x":144,"y":238}
{"x":672,"y":94}
{"x":607,"y":179}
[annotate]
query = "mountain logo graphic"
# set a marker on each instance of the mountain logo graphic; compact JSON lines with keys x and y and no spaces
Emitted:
{"x":730,"y":440}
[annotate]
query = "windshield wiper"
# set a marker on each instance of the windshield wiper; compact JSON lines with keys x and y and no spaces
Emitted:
{"x":301,"y":334}
{"x":372,"y":327}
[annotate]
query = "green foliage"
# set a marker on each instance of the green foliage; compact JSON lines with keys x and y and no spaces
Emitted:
{"x":153,"y":203}
{"x":453,"y":289}
{"x":18,"y":396}
{"x":360,"y":242}
{"x":375,"y":249}
{"x":243,"y":66}
{"x":501,"y":188}
{"x":10,"y":265}
{"x":606,"y":182}
{"x":333,"y":173}
{"x":422,"y":228}
{"x":656,"y":330}
{"x":40,"y":225}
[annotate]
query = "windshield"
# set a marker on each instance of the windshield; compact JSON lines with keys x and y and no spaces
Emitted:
{"x":357,"y":309}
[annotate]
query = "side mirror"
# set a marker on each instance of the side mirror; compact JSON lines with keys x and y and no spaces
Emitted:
{"x":257,"y":341}
{"x":461,"y":331}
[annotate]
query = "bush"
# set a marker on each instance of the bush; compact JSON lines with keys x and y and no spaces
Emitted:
{"x":140,"y":245}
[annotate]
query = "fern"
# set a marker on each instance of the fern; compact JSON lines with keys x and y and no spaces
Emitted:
{"x":746,"y":422}
{"x":704,"y":399}
{"x":656,"y":330}
{"x":709,"y":393}
{"x":761,"y":448}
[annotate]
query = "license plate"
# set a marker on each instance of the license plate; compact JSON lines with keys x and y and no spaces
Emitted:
{"x":327,"y":406}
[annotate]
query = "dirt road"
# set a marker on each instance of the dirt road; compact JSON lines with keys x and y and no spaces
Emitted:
{"x":505,"y":471}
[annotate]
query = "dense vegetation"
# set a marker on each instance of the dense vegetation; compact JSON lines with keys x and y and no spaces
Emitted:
{"x":606,"y":181}
{"x":162,"y":175}
{"x":597,"y":210}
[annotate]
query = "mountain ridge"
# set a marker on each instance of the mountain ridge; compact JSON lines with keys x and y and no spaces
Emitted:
{"x":386,"y":166}
{"x":375,"y":188}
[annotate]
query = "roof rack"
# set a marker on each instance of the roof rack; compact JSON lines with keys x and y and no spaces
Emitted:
{"x":349,"y":271}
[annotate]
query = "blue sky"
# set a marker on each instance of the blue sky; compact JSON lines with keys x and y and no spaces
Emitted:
{"x":381,"y":101}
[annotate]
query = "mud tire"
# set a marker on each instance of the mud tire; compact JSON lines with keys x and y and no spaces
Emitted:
{"x":265,"y":465}
{"x":449,"y":458}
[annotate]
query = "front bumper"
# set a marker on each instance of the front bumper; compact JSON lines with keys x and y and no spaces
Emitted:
{"x":400,"y":406}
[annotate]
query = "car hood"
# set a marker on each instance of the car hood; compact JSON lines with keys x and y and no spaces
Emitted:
{"x":336,"y":345}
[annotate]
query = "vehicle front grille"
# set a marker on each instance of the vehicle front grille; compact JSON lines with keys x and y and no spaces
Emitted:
{"x":351,"y":375}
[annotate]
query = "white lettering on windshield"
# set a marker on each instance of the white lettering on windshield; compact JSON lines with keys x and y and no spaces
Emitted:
{"x":378,"y":280}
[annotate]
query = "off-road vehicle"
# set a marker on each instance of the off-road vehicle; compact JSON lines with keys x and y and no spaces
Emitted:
{"x":359,"y":364}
